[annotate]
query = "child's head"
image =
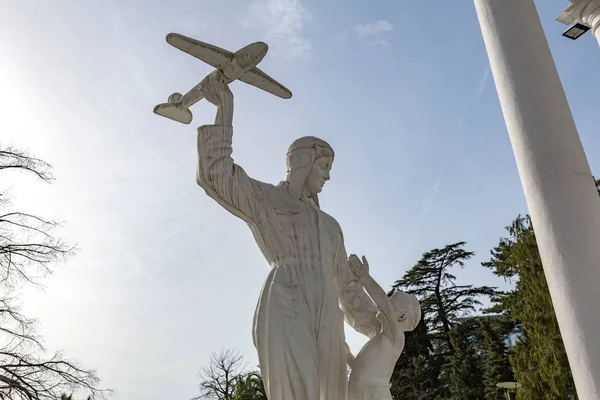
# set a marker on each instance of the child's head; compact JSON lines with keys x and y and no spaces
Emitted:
{"x":407,"y":309}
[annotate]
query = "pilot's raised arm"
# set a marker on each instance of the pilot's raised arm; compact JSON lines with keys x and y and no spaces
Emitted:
{"x":217,"y":174}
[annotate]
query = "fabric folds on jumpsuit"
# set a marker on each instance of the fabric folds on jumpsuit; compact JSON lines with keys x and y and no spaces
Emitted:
{"x":297,"y":335}
{"x":298,"y":327}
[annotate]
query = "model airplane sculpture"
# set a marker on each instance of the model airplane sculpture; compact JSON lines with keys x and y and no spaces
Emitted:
{"x":239,"y":65}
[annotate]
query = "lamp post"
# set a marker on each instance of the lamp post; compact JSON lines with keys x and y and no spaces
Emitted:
{"x":581,"y":15}
{"x":509,"y":386}
{"x":555,"y":175}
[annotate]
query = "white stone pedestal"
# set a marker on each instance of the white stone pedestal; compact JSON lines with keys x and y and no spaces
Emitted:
{"x":556,"y":178}
{"x":585,"y":11}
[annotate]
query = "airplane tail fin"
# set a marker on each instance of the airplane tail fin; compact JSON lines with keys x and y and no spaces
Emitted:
{"x":174,"y":111}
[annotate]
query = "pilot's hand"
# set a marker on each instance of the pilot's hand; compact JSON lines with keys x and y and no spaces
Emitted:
{"x":216,"y":91}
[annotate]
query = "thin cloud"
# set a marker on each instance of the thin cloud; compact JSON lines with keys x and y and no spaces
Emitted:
{"x":283,"y":22}
{"x":341,"y":37}
{"x":430,"y":200}
{"x":375,"y":33}
{"x":483,"y":82}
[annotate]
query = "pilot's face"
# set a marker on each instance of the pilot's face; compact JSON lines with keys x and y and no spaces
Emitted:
{"x":319,"y":174}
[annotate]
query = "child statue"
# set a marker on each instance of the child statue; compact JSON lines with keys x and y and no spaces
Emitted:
{"x":372,"y":367}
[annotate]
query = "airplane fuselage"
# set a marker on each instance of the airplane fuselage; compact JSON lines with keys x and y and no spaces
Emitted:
{"x":243,"y":60}
{"x":240,"y":65}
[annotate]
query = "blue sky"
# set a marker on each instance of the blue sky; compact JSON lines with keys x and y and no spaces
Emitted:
{"x":163,"y":276}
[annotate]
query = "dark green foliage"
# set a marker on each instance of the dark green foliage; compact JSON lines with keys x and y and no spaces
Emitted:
{"x":416,"y":373}
{"x":442,"y":301}
{"x":497,"y":366}
{"x":430,"y":350}
{"x":467,"y":362}
{"x":250,"y":387}
{"x":539,"y":361}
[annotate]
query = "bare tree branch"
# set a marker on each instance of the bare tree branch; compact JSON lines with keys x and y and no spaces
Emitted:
{"x":25,"y":373}
{"x":17,"y":159}
{"x":27,"y":247}
{"x":28,"y":251}
{"x":219,"y":377}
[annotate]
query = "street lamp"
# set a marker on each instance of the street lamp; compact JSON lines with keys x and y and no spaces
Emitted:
{"x":581,"y":16}
{"x":575,"y":31}
{"x":508,"y":386}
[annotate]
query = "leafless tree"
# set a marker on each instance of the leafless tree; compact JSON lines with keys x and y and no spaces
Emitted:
{"x":13,"y":158}
{"x":27,"y":247}
{"x":220,"y":376}
{"x":28,"y":251}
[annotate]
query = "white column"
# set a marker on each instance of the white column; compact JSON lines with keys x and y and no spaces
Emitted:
{"x":555,"y":174}
{"x":585,"y":11}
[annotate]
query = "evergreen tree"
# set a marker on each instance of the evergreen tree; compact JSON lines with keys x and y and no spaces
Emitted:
{"x":443,"y":303}
{"x":442,"y":300}
{"x":539,"y":361}
{"x":415,"y":375}
{"x":466,"y":363}
{"x":497,"y":365}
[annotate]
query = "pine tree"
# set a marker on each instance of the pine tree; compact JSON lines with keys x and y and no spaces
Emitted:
{"x":539,"y":361}
{"x":443,"y":303}
{"x":497,"y":366}
{"x":416,"y":373}
{"x":466,"y":363}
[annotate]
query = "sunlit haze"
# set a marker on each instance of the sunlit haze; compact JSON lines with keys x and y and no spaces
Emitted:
{"x":163,"y":276}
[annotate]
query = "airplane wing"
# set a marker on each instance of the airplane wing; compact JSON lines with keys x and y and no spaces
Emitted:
{"x":213,"y":55}
{"x":256,"y":77}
